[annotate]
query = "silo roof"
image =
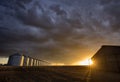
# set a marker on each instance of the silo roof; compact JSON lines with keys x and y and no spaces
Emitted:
{"x":17,"y":54}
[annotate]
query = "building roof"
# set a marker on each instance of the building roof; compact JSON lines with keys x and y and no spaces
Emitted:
{"x":108,"y":50}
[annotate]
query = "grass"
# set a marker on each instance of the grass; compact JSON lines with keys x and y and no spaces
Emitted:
{"x":56,"y":74}
{"x":43,"y":74}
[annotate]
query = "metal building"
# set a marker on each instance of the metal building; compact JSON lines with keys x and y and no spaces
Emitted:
{"x":16,"y":60}
{"x":107,"y":58}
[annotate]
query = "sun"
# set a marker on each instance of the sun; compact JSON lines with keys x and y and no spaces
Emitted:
{"x":86,"y":62}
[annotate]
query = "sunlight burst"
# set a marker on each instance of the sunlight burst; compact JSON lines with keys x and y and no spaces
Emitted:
{"x":86,"y":62}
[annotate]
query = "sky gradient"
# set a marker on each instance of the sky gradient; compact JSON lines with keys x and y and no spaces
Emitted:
{"x":63,"y":31}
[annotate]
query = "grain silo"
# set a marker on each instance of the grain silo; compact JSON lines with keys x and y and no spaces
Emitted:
{"x":26,"y":61}
{"x":16,"y":60}
{"x":34,"y":62}
{"x":107,"y":59}
{"x":37,"y":61}
{"x":30,"y":61}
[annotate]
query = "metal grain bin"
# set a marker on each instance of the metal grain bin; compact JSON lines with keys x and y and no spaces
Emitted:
{"x":16,"y":60}
{"x":26,"y":61}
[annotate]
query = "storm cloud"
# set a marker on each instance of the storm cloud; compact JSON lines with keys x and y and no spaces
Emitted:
{"x":58,"y":30}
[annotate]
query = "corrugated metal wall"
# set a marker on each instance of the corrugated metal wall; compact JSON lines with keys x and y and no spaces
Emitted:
{"x":107,"y":59}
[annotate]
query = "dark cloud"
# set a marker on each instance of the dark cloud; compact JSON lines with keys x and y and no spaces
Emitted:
{"x":58,"y":30}
{"x":57,"y":9}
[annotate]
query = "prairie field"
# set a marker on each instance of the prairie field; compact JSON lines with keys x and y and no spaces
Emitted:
{"x":55,"y":74}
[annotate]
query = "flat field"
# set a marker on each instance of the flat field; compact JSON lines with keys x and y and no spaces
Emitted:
{"x":56,"y":74}
{"x":44,"y":74}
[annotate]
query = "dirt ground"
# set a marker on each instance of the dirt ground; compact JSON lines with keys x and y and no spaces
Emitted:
{"x":55,"y":74}
{"x":43,"y":74}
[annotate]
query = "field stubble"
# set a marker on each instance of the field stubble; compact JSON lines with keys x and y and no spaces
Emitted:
{"x":43,"y":74}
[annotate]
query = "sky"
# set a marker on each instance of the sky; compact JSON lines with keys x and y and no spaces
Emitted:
{"x":63,"y":31}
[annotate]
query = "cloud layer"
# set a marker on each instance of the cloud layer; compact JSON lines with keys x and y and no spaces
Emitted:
{"x":58,"y":30}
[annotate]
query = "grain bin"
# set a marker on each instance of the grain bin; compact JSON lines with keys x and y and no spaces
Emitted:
{"x":30,"y":61}
{"x":26,"y":61}
{"x":34,"y":62}
{"x":16,"y":60}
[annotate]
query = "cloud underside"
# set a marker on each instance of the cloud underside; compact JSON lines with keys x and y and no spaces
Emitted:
{"x":58,"y":30}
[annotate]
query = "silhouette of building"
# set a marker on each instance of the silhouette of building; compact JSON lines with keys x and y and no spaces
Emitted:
{"x":107,"y":58}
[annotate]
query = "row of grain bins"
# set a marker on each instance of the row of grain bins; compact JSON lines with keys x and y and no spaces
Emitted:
{"x":22,"y":60}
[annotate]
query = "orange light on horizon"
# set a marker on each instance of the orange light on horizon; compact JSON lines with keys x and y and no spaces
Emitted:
{"x":85,"y":62}
{"x":57,"y":64}
{"x":3,"y":60}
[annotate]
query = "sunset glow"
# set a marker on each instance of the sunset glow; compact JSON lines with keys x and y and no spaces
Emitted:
{"x":57,"y":64}
{"x":3,"y":60}
{"x":85,"y":62}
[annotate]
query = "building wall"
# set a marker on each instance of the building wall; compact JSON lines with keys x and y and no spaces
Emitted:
{"x":107,"y":59}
